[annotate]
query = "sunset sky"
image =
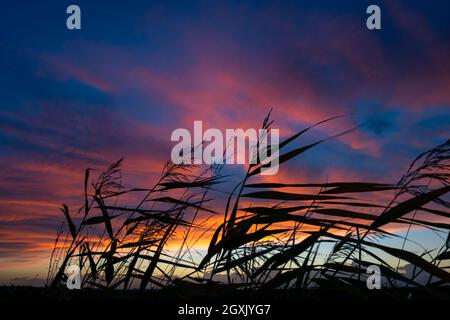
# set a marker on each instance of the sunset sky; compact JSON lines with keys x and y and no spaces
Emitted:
{"x":138,"y":70}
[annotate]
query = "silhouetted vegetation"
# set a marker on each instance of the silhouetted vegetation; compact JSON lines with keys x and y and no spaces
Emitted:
{"x":275,"y":237}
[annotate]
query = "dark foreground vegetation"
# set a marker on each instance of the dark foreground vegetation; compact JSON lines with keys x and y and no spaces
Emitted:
{"x":222,"y":294}
{"x":278,"y":239}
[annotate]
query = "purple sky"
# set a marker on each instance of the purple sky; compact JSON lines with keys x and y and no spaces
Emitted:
{"x":119,"y":86}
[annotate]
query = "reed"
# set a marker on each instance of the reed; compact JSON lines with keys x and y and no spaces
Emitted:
{"x":294,"y":236}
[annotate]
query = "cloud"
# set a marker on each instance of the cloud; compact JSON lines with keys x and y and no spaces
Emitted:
{"x":87,"y":103}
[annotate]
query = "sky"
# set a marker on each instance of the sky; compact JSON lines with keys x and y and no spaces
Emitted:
{"x":72,"y":99}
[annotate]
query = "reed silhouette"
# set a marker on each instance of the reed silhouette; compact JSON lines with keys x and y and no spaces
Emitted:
{"x":294,"y":237}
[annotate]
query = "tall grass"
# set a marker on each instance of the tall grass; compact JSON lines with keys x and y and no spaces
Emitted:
{"x":293,"y":236}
